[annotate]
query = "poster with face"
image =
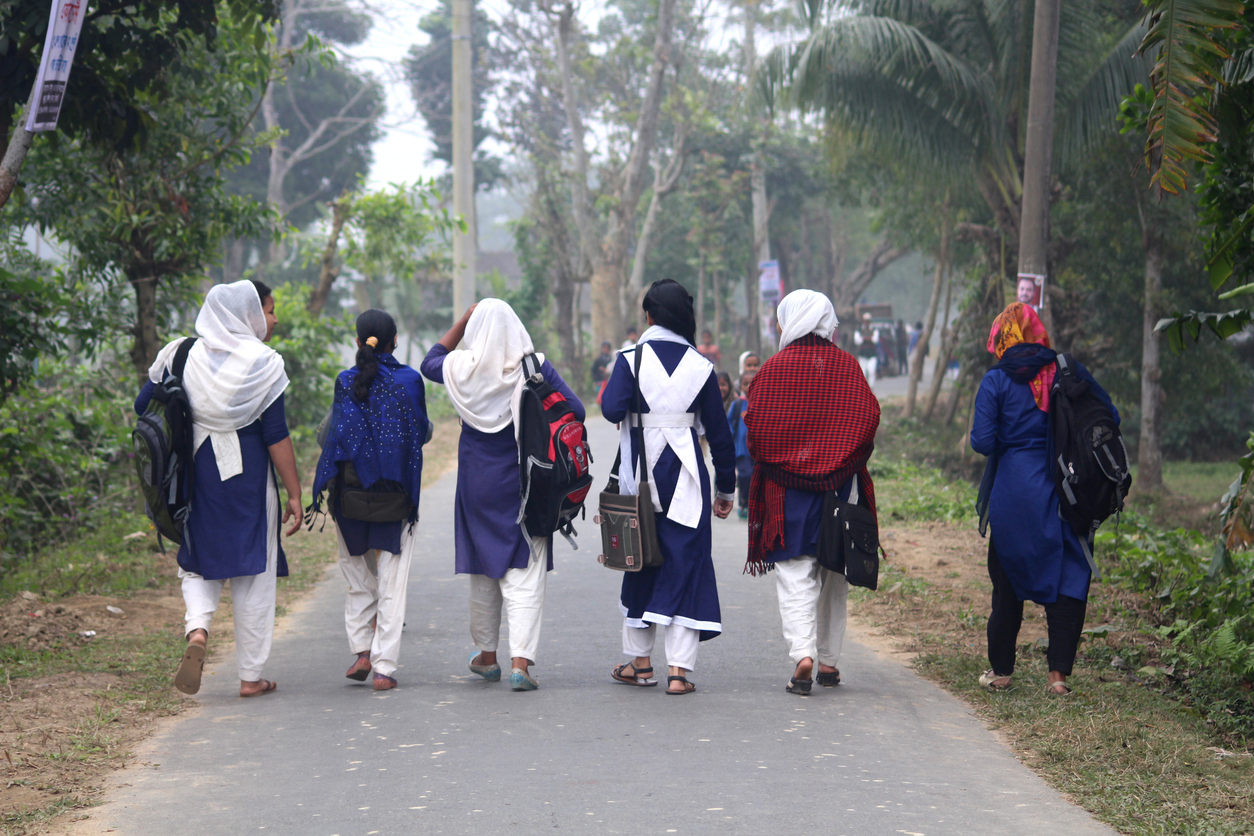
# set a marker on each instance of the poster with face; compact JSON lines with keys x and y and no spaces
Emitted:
{"x":1030,"y":290}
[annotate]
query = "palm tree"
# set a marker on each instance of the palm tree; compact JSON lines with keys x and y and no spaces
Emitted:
{"x":944,"y":84}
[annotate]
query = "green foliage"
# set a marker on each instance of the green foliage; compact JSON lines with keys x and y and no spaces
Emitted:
{"x":310,"y":349}
{"x":65,"y":452}
{"x":907,"y":492}
{"x":398,"y":233}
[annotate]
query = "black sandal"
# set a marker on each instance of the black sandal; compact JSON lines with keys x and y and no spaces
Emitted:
{"x":636,"y":673}
{"x":827,"y":680}
{"x":688,"y":686}
{"x":800,"y":687}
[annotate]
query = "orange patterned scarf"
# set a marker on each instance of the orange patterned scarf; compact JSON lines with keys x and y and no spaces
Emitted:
{"x":1018,"y":324}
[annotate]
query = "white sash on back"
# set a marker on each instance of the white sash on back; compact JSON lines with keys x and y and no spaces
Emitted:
{"x":668,"y":424}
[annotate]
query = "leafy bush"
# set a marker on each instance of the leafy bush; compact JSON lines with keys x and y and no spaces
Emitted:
{"x":309,"y":346}
{"x":65,"y":453}
{"x":909,"y":493}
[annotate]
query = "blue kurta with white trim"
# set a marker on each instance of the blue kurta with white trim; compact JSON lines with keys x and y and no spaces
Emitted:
{"x":683,"y":590}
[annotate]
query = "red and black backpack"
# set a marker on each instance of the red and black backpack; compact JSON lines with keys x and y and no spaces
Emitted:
{"x":553,"y":457}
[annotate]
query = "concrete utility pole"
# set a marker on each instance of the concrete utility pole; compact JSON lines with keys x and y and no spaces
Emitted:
{"x":463,"y":161}
{"x":757,"y":182}
{"x":1038,"y":155}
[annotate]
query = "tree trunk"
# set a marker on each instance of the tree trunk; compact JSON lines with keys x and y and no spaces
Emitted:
{"x":144,"y":349}
{"x":1149,"y":457}
{"x":946,"y":348}
{"x":15,"y":152}
{"x":716,"y":281}
{"x":329,"y":270}
{"x":1038,"y":147}
{"x":916,"y":368}
{"x":847,"y":291}
{"x":564,"y":314}
{"x":700,"y":294}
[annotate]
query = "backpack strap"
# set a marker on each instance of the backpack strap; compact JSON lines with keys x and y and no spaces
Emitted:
{"x":531,"y":365}
{"x":1066,"y":365}
{"x":180,"y":357}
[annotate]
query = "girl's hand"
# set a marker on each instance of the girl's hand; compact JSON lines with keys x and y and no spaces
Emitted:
{"x":722,"y":507}
{"x":294,"y":510}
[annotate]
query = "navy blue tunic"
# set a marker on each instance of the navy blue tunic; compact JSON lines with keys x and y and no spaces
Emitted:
{"x":226,"y":525}
{"x":359,"y":536}
{"x":1041,"y":554}
{"x":487,"y":537}
{"x":803,"y":511}
{"x":683,"y":590}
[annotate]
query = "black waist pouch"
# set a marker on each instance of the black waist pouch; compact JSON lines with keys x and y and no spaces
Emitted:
{"x":849,"y":540}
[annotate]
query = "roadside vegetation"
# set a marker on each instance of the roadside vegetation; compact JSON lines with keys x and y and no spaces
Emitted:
{"x":1159,"y":734}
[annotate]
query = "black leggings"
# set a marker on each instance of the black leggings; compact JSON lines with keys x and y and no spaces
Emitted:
{"x":1064,"y":617}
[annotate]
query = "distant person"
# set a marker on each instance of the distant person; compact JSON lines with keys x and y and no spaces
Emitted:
{"x":902,"y":339}
{"x":600,"y":367}
{"x":709,"y":349}
{"x":749,"y":362}
{"x":235,"y":386}
{"x":507,"y":568}
{"x":916,"y":331}
{"x":740,"y":436}
{"x":378,"y":426}
{"x":1033,"y":554}
{"x":866,"y":342}
{"x":726,"y":389}
{"x":633,"y":334}
{"x":678,"y":389}
{"x":812,"y":420}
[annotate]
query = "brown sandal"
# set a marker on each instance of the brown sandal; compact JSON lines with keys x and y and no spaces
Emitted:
{"x":270,"y":688}
{"x":634,"y":679}
{"x":187,"y":677}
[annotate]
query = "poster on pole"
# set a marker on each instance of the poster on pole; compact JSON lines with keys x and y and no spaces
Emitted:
{"x":770,"y":290}
{"x":1030,"y":290}
{"x":65,"y":21}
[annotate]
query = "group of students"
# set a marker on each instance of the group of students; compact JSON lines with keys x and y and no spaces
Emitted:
{"x":806,"y":419}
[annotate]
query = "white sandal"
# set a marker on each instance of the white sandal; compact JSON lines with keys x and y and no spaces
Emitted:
{"x":988,"y":681}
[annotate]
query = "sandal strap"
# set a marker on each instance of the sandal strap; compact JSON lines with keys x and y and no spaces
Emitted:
{"x":671,"y":679}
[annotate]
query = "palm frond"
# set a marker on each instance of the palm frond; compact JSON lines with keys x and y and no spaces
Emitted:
{"x":1189,"y":61}
{"x":1089,"y":115}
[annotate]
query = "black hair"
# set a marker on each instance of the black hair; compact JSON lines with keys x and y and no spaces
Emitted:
{"x":380,"y":325}
{"x":671,"y":307}
{"x":731,"y":390}
{"x":631,"y":329}
{"x":263,"y":290}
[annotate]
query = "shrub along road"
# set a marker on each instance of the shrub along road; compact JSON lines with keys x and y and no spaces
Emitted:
{"x":887,"y":752}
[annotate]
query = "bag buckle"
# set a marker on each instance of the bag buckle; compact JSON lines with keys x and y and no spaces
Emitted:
{"x":635,"y":523}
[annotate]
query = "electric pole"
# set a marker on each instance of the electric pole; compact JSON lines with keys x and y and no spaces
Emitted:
{"x":463,"y":161}
{"x":1038,"y":154}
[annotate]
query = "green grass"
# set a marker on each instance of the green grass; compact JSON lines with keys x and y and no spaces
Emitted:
{"x":1136,"y":759}
{"x":1201,"y":481}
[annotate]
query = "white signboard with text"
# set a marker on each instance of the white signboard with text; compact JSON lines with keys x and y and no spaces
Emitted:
{"x":65,"y":21}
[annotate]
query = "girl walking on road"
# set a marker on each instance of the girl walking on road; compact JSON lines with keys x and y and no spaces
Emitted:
{"x":679,"y":392}
{"x":235,"y":386}
{"x":812,"y":419}
{"x":377,"y":428}
{"x":1033,"y":555}
{"x":507,"y":568}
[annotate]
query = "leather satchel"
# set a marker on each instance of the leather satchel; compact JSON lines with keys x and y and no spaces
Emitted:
{"x":849,"y":539}
{"x":628,"y":528}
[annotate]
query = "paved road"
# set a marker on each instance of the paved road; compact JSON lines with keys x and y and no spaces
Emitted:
{"x":886,"y":753}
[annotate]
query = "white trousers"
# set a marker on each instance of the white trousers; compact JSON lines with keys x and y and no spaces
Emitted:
{"x":869,"y":365}
{"x":813,"y":606}
{"x":378,"y":583}
{"x":681,"y":643}
{"x":252,"y":597}
{"x":521,"y":592}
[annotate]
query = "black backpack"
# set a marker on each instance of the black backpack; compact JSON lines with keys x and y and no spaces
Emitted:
{"x":1090,"y":466}
{"x":162,"y":439}
{"x":553,"y":457}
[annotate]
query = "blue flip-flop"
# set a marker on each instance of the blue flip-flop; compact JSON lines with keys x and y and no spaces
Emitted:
{"x":492,"y":672}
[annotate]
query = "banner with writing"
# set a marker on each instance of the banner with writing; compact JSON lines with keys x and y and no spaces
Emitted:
{"x":65,"y":21}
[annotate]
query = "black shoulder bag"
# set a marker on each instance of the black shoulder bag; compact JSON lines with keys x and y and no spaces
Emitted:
{"x":628,"y":528}
{"x":849,"y":539}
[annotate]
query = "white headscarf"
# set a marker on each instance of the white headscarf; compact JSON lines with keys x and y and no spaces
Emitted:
{"x":805,"y":312}
{"x":485,"y":378}
{"x":231,"y":375}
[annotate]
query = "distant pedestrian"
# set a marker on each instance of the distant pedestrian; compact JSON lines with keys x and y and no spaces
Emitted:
{"x":507,"y":568}
{"x":633,"y":334}
{"x":749,"y":362}
{"x":377,"y":428}
{"x":812,"y":419}
{"x":600,"y":368}
{"x":235,"y":385}
{"x":740,"y":437}
{"x":709,"y":349}
{"x":866,"y":342}
{"x":678,"y":389}
{"x":1033,"y":555}
{"x":902,"y":340}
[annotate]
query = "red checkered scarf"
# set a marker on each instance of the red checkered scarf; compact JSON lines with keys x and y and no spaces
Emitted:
{"x":812,"y":420}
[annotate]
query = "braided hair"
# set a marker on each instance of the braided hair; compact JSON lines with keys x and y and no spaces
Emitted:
{"x":379,"y":326}
{"x":671,"y":307}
